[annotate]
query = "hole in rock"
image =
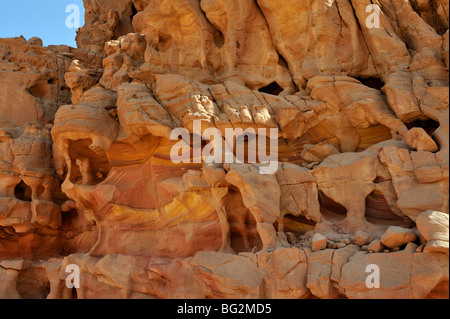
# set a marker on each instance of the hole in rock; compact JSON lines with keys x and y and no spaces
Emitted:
{"x":298,"y":225}
{"x":164,"y":42}
{"x":86,"y":162}
{"x":282,"y":61}
{"x":134,"y":11}
{"x":219,"y":39}
{"x":69,"y":219}
{"x":33,"y":283}
{"x":374,"y":83}
{"x":243,"y":233}
{"x":50,"y":81}
{"x":430,"y":126}
{"x":23,"y":192}
{"x":39,"y":90}
{"x":331,"y":210}
{"x":273,"y":88}
{"x":379,"y":212}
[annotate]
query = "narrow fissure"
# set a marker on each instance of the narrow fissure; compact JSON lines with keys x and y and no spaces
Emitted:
{"x":23,"y":192}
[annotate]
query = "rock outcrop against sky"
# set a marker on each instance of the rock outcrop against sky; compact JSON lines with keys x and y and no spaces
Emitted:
{"x":359,"y":99}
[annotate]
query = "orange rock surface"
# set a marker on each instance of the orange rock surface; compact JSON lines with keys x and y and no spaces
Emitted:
{"x":86,"y":176}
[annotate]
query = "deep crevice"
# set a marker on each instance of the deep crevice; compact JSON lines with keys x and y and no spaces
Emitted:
{"x":134,"y":11}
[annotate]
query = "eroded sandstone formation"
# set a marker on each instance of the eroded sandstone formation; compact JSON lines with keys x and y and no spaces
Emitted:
{"x":86,"y":176}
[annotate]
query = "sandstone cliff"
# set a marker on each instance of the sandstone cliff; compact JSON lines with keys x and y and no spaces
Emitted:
{"x":361,"y":112}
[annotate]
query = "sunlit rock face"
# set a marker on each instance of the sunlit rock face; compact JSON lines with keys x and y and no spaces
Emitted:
{"x":362,"y":164}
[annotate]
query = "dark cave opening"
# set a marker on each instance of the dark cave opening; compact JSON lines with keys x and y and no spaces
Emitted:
{"x":68,"y":218}
{"x":430,"y":126}
{"x":273,"y":88}
{"x":244,"y":236}
{"x":374,"y":83}
{"x":23,"y":192}
{"x":330,"y":209}
{"x":134,"y":11}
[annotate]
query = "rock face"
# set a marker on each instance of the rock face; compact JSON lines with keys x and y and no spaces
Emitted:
{"x":359,"y":110}
{"x":433,"y":226}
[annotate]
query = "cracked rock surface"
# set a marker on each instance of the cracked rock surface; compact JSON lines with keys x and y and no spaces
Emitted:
{"x":86,"y":176}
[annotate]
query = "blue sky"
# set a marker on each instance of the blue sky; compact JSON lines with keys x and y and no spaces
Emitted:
{"x":45,"y":19}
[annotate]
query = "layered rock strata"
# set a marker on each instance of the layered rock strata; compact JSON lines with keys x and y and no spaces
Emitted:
{"x":361,"y":115}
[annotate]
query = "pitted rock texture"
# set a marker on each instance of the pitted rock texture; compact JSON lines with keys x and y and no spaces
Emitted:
{"x":86,"y":176}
